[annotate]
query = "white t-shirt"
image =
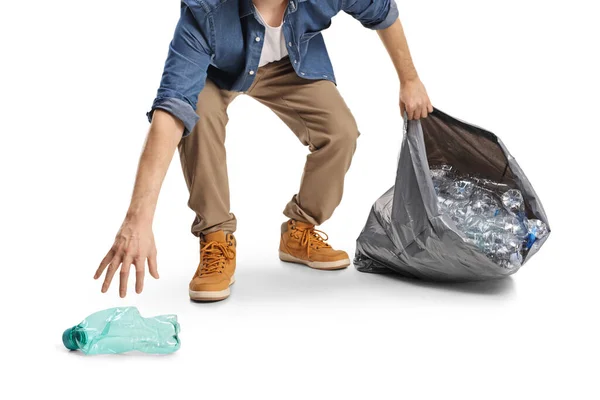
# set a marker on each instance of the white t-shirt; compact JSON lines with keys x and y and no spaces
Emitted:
{"x":273,"y":43}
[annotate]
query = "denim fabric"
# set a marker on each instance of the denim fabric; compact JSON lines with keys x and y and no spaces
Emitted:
{"x":222,"y":40}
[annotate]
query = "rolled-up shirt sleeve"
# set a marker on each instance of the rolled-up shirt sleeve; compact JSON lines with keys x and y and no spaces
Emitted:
{"x":184,"y":74}
{"x":373,"y":14}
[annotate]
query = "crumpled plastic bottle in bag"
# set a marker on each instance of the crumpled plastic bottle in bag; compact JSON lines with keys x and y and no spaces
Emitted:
{"x":491,"y":215}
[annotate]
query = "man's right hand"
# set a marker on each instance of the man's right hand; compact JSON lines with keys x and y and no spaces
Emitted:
{"x":134,"y":244}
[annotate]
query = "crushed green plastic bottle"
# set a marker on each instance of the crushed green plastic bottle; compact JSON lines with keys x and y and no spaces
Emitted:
{"x":123,"y":329}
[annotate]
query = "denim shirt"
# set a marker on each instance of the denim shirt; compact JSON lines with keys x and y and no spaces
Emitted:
{"x":222,"y":40}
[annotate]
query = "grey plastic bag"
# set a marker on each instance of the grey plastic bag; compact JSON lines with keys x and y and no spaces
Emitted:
{"x":405,"y":231}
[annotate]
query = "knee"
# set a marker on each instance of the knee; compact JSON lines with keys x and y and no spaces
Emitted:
{"x":343,"y":131}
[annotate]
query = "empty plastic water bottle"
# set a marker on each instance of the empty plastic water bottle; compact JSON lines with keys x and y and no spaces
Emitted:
{"x":492,"y":186}
{"x":476,"y":224}
{"x":461,"y":189}
{"x":459,"y":211}
{"x":483,"y":203}
{"x":513,"y":200}
{"x":536,"y":230}
{"x":443,"y":171}
{"x":510,"y":223}
{"x":537,"y":227}
{"x":123,"y":329}
{"x":515,"y":260}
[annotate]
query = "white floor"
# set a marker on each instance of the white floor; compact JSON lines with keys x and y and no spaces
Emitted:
{"x":291,"y":332}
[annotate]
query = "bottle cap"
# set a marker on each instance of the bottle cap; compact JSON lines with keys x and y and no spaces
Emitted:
{"x":73,"y":339}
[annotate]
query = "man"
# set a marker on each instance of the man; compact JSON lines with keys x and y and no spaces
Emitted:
{"x":273,"y":51}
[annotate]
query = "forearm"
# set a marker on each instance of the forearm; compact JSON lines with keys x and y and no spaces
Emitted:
{"x":164,"y":135}
{"x":394,"y":40}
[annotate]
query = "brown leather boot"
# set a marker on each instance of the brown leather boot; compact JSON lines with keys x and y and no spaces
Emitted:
{"x":301,"y":243}
{"x":217,"y":266}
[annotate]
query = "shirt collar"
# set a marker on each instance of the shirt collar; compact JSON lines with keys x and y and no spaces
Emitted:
{"x":247,"y":7}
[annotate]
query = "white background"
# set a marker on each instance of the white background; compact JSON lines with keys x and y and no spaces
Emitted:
{"x":77,"y":79}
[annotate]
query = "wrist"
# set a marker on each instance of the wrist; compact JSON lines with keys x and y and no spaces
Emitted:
{"x":139,"y":216}
{"x":404,"y":80}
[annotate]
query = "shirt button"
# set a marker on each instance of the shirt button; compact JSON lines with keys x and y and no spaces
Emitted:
{"x":257,"y":39}
{"x":290,"y":44}
{"x":251,"y":72}
{"x":302,"y":73}
{"x":295,"y":61}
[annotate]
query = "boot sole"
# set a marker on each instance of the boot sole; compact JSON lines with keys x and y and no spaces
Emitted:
{"x":323,"y":265}
{"x":205,"y":295}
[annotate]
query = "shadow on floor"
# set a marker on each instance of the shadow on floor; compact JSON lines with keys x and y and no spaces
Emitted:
{"x":278,"y":281}
{"x":491,"y":287}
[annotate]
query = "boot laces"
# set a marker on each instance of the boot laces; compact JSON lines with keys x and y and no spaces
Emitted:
{"x":310,"y":238}
{"x":214,"y":256}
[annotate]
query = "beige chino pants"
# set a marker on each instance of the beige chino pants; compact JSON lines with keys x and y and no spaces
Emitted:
{"x":313,"y":109}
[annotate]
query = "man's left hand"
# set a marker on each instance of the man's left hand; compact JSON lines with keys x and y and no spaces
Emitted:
{"x":414,"y":99}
